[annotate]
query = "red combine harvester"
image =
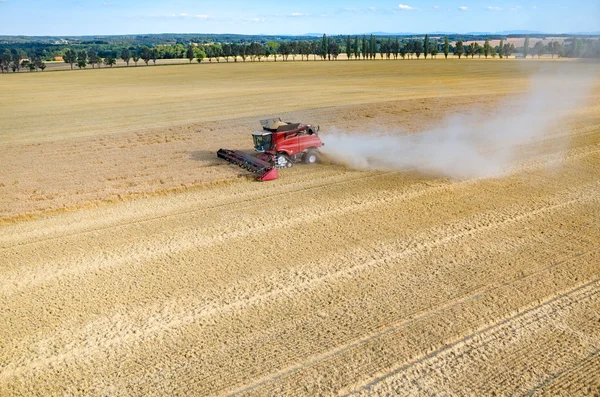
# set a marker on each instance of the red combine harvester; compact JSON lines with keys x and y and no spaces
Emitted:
{"x":281,"y":144}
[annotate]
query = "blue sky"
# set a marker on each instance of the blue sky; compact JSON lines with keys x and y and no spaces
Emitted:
{"x":55,"y":17}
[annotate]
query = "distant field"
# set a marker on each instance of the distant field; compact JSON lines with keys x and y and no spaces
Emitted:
{"x":50,"y":106}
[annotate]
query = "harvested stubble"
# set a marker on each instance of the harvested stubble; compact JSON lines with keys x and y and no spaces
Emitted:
{"x":325,"y":281}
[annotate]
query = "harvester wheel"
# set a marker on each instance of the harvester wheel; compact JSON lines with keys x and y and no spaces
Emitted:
{"x":283,"y":161}
{"x":310,"y":157}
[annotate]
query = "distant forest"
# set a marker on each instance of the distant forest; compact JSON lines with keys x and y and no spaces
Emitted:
{"x":23,"y":52}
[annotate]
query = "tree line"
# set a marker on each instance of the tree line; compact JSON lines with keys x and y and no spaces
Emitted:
{"x":325,"y":48}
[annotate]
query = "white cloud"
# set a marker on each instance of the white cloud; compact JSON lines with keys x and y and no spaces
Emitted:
{"x":491,"y":8}
{"x":254,"y":20}
{"x":298,"y":14}
{"x":405,"y":7}
{"x":202,"y":16}
{"x":183,"y":14}
{"x":436,"y":7}
{"x":372,"y":8}
{"x":463,"y":8}
{"x":534,"y":7}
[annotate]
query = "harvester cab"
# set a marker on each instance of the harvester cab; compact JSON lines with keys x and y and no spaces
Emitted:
{"x":280,"y":144}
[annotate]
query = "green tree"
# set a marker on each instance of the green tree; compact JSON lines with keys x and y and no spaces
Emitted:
{"x":70,"y":57}
{"x":501,"y":49}
{"x":154,"y":55}
{"x":396,"y":48}
{"x":349,"y":51}
{"x":426,"y":46}
{"x":189,"y":54}
{"x":433,"y":49}
{"x":146,"y":55}
{"x":5,"y":59}
{"x":507,"y":50}
{"x":324,"y":47}
{"x":92,"y":58}
{"x":555,"y":48}
{"x":81,"y":59}
{"x":418,"y":48}
{"x":110,"y":61}
{"x":526,"y":47}
{"x":460,"y":49}
{"x":356,"y":48}
{"x":403,"y":50}
{"x":372,"y":47}
{"x":244,"y":48}
{"x":126,"y":56}
{"x":538,"y":48}
{"x":199,"y":54}
{"x":486,"y":48}
{"x":273,"y":48}
{"x":446,"y":47}
{"x":468,"y":50}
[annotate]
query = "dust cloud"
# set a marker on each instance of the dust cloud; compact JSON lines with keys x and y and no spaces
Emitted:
{"x":474,"y":144}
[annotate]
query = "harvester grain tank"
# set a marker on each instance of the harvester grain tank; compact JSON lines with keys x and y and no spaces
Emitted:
{"x":280,"y":144}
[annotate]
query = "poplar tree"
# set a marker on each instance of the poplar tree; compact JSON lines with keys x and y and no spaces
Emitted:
{"x":190,"y":53}
{"x":486,"y":48}
{"x":501,"y":49}
{"x":446,"y":47}
{"x":324,"y":47}
{"x":526,"y":47}
{"x":348,"y":47}
{"x":426,"y":46}
{"x":356,"y":49}
{"x":373,"y":47}
{"x":459,"y":50}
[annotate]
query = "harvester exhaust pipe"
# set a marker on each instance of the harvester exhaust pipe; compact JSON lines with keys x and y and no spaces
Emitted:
{"x":264,"y":170}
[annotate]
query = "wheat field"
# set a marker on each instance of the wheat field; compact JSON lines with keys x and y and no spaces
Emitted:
{"x":134,"y":262}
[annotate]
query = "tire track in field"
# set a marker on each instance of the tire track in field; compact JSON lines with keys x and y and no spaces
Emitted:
{"x":339,"y":350}
{"x":136,"y":253}
{"x":250,"y":196}
{"x":582,"y":375}
{"x":284,"y":190}
{"x":165,"y":320}
{"x":410,"y":373}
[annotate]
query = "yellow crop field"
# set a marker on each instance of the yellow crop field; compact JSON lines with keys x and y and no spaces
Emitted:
{"x":134,"y":262}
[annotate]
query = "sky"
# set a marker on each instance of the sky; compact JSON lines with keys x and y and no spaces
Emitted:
{"x":113,"y":17}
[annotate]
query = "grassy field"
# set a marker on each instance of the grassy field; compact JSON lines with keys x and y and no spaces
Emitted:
{"x":133,"y":262}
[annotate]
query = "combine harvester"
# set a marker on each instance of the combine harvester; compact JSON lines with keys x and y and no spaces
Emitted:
{"x":281,"y":144}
